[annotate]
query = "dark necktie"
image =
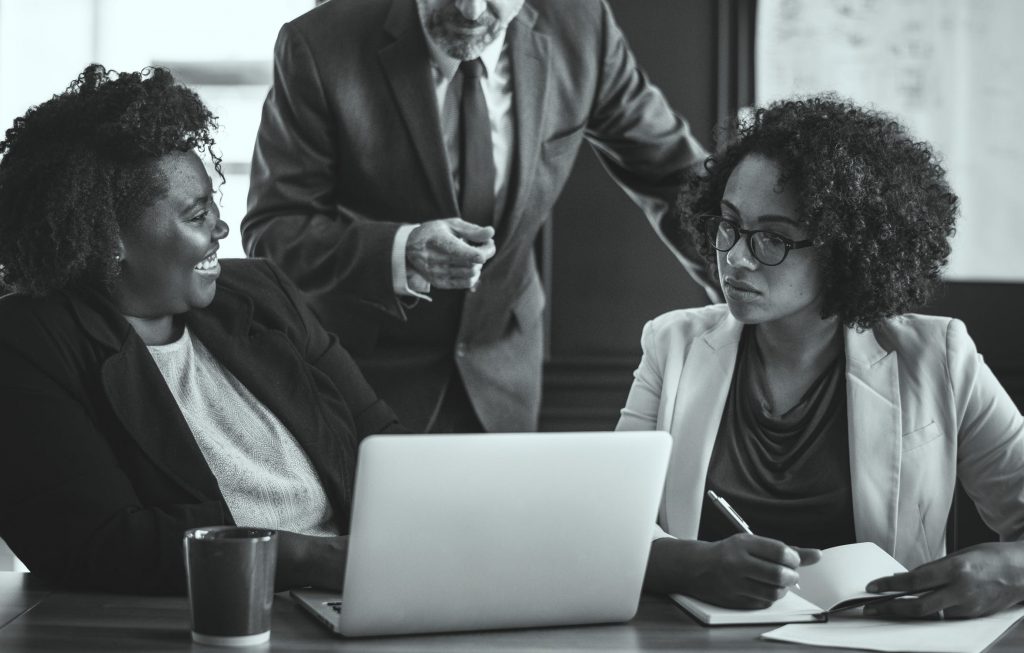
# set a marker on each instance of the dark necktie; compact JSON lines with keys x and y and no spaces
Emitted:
{"x":476,"y":177}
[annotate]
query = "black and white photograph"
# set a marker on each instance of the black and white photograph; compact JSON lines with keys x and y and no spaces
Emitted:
{"x":511,"y":325}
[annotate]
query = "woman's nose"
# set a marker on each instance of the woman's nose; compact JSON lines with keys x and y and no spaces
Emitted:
{"x":220,"y":230}
{"x":740,"y":255}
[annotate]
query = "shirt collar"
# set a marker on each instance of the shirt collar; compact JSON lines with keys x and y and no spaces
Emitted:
{"x":447,"y":66}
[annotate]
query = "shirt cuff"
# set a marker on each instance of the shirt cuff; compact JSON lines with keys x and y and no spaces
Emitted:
{"x":406,"y":283}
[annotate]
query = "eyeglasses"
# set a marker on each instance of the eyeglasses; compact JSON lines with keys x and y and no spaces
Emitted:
{"x":768,"y":247}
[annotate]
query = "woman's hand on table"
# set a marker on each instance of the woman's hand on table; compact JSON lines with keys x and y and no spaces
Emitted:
{"x":974,"y":582}
{"x":308,"y":560}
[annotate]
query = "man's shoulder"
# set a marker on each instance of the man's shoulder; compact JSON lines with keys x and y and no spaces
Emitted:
{"x":340,"y":21}
{"x":336,"y":13}
{"x":567,"y":19}
{"x":566,"y":9}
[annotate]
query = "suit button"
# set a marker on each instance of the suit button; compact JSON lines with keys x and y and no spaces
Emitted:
{"x":460,"y":349}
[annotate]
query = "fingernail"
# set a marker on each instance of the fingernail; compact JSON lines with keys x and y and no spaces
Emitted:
{"x":872,"y":587}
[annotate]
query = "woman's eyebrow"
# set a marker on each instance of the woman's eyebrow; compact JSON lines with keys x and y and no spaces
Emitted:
{"x":785,"y":219}
{"x":198,"y":201}
{"x":767,"y":217}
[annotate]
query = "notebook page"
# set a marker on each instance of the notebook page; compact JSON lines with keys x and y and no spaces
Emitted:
{"x":843,"y":571}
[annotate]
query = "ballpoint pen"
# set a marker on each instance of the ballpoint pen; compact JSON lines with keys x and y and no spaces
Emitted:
{"x":733,"y":516}
{"x":730,"y":513}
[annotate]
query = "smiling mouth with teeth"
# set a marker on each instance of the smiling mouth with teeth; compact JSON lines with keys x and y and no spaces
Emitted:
{"x":208,"y":263}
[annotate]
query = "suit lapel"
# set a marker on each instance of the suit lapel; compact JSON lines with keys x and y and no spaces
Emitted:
{"x":147,"y":410}
{"x":529,"y":52}
{"x":704,"y":383}
{"x":406,"y":63}
{"x":139,"y":397}
{"x":874,"y":418}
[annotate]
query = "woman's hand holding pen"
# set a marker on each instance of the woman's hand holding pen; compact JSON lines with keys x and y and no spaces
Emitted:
{"x":754,"y":571}
{"x":742,"y":571}
{"x":974,"y":582}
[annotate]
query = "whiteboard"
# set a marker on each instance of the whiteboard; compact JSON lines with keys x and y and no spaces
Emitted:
{"x":951,"y":70}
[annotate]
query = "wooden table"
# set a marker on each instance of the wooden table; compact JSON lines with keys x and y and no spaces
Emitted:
{"x":40,"y":620}
{"x":18,"y":594}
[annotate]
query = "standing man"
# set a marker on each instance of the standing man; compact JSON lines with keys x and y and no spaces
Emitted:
{"x":387,"y":120}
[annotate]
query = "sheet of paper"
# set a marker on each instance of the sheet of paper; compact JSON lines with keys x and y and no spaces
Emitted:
{"x":953,"y":636}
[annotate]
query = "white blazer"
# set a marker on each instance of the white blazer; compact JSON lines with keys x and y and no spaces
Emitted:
{"x":923,"y":410}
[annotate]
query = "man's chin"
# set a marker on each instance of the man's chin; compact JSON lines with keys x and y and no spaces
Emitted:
{"x":464,"y":49}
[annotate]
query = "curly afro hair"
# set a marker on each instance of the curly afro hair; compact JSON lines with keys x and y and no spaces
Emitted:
{"x":80,"y":167}
{"x":874,"y":200}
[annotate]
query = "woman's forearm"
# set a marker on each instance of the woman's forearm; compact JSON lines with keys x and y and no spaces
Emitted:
{"x":307,"y":560}
{"x":676,"y":565}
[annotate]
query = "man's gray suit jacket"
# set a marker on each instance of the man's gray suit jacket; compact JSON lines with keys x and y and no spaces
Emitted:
{"x":350,"y":148}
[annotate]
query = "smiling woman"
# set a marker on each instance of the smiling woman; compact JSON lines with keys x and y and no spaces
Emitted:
{"x":148,"y":387}
{"x":169,"y":256}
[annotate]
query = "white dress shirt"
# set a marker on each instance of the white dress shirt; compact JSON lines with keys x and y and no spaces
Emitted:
{"x":497,"y":89}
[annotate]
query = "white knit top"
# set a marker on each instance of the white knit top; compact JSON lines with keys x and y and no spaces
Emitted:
{"x":265,"y":476}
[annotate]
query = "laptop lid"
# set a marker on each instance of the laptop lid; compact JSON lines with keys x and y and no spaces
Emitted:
{"x":483,"y":531}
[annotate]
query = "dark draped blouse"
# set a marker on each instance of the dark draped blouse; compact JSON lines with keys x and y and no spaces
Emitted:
{"x":788,"y":476}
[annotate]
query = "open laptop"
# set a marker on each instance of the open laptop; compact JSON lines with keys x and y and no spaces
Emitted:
{"x":484,"y":531}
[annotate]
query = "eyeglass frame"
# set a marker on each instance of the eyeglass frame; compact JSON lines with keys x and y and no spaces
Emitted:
{"x":747,"y":234}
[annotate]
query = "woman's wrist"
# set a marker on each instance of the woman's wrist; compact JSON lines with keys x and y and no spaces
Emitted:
{"x":675,"y":566}
{"x":304,"y":560}
{"x":1014,"y":559}
{"x":292,"y":560}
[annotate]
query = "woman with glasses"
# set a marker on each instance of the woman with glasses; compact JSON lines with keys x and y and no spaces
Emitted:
{"x":812,"y":400}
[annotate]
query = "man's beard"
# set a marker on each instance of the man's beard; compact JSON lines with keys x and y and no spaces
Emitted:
{"x":457,"y":45}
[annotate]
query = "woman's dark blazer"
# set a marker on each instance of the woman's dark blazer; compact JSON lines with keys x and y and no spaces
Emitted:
{"x":99,"y":473}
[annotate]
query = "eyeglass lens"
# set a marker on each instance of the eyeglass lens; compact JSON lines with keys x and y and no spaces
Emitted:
{"x":766,"y":248}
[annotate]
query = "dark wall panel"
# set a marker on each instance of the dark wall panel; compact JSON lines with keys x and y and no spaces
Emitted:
{"x":994,"y":315}
{"x":610,"y":272}
{"x":610,"y":269}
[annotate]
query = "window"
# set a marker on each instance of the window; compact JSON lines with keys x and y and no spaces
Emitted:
{"x":220,"y":48}
{"x":949,"y":69}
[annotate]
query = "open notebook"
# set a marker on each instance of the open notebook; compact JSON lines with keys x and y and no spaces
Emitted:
{"x":836,"y":581}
